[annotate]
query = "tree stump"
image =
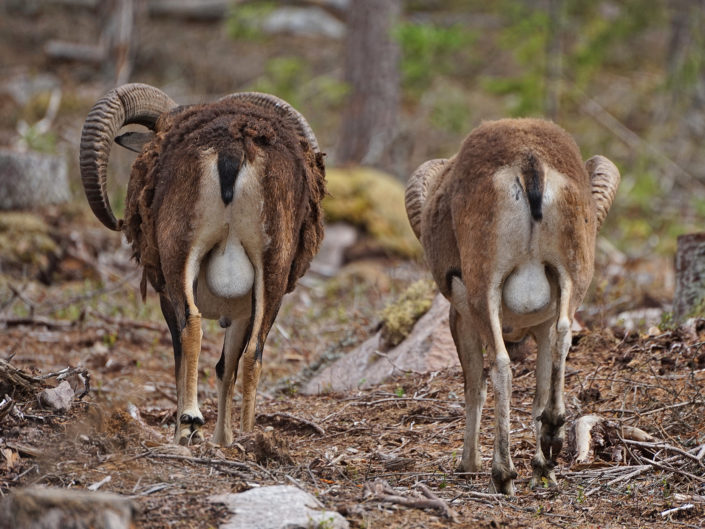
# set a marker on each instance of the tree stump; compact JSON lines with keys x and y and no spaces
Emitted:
{"x":30,"y":179}
{"x":689,"y":297}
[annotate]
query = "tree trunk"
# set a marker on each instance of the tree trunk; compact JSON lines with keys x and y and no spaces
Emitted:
{"x":553,"y":59}
{"x":372,"y":71}
{"x":118,"y":38}
{"x":689,"y":297}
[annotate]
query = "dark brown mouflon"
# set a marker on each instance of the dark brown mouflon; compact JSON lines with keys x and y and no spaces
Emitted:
{"x":223,"y":213}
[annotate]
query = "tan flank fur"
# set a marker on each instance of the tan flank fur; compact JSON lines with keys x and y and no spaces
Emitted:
{"x":223,"y":214}
{"x":508,"y":227}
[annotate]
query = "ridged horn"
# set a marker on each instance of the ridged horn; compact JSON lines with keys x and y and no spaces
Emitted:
{"x":604,"y":177}
{"x":130,"y":103}
{"x":417,"y":190}
{"x":282,"y":108}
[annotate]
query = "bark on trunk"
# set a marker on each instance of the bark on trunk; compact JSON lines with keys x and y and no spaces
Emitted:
{"x":372,"y":70}
{"x":689,"y":298}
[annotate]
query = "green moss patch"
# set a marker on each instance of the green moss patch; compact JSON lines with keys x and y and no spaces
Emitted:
{"x":25,"y":240}
{"x":374,"y":202}
{"x":399,"y":317}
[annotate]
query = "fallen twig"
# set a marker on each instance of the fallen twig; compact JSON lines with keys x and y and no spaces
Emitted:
{"x":293,"y":418}
{"x":685,"y":507}
{"x":151,"y":490}
{"x":381,"y":491}
{"x":95,"y":486}
{"x":639,"y":470}
{"x":36,"y":321}
{"x":6,"y":406}
{"x":662,"y":446}
{"x":207,"y":461}
{"x":23,"y":449}
{"x":441,"y":505}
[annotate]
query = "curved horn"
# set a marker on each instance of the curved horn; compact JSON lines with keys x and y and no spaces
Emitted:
{"x":130,"y":103}
{"x":604,"y":177}
{"x":417,"y":190}
{"x":284,"y":110}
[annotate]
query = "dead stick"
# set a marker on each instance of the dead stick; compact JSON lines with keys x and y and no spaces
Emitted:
{"x":293,"y":418}
{"x":25,"y":449}
{"x":37,"y":321}
{"x":664,"y":446}
{"x":685,"y":507}
{"x":381,"y":490}
{"x":638,"y":471}
{"x":202,"y":461}
{"x":676,"y":471}
{"x":442,"y":505}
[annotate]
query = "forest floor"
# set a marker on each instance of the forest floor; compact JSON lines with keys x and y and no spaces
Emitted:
{"x":339,"y":447}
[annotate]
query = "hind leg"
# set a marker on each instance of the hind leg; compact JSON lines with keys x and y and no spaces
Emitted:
{"x":469,"y":347}
{"x":543,"y":467}
{"x":226,"y":372}
{"x":252,"y":367}
{"x":503,"y":471}
{"x":550,"y":418}
{"x":184,"y":323}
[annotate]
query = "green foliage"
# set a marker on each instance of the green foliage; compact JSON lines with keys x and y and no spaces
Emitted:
{"x":283,"y":76}
{"x":667,"y":322}
{"x":590,"y":38}
{"x":525,"y":37}
{"x":37,"y":141}
{"x":451,"y":112}
{"x":608,"y":40}
{"x":428,"y":51}
{"x":244,"y":21}
{"x":291,"y":79}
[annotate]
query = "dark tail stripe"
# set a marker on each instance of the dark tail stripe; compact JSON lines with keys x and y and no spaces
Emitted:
{"x":533,"y":183}
{"x":228,"y":168}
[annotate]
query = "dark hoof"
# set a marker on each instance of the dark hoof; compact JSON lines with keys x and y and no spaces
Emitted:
{"x":503,"y":481}
{"x":191,"y":419}
{"x":189,"y":435}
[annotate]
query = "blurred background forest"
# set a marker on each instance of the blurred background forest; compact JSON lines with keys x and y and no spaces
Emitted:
{"x":391,"y":84}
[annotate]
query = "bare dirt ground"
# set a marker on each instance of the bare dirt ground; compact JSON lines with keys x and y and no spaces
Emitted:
{"x":407,"y":432}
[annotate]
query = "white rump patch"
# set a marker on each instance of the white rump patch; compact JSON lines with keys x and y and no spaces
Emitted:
{"x":229,"y":273}
{"x":527,"y":289}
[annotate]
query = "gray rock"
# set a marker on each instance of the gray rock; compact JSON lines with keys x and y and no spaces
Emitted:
{"x":277,"y":507}
{"x":639,"y":319}
{"x":329,"y":259}
{"x":310,"y":21}
{"x":428,"y":348}
{"x":59,"y":398}
{"x":47,"y":508}
{"x":30,"y":179}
